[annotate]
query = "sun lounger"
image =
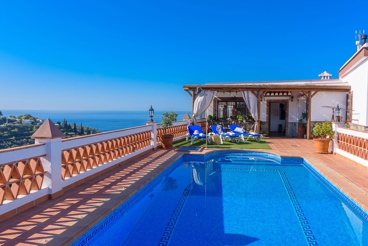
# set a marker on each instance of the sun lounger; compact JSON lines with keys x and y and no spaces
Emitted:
{"x":249,"y":135}
{"x":195,"y":132}
{"x":220,"y":131}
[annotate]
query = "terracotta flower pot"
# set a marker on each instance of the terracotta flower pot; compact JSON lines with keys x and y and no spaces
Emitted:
{"x":167,"y":141}
{"x":321,"y":145}
{"x":301,"y":131}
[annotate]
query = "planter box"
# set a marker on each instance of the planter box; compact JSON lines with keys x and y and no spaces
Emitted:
{"x":167,"y":141}
{"x":321,"y":145}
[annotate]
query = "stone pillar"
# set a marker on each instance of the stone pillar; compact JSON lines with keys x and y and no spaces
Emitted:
{"x":334,"y":140}
{"x":50,"y":135}
{"x":154,"y":135}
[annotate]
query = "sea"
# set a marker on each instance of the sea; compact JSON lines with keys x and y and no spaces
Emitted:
{"x":102,"y":120}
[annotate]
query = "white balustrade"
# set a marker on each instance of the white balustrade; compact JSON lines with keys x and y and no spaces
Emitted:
{"x":351,"y":144}
{"x":87,"y":155}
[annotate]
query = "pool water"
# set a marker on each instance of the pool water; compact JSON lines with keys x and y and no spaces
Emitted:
{"x":234,"y":198}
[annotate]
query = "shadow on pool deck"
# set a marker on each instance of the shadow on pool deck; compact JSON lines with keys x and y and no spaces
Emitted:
{"x":62,"y":220}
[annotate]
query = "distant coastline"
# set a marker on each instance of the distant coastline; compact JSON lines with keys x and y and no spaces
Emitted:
{"x":101,"y":120}
{"x":16,"y":130}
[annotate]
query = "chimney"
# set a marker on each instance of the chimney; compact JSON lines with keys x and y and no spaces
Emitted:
{"x":360,"y":39}
{"x":364,"y":39}
{"x":325,"y":75}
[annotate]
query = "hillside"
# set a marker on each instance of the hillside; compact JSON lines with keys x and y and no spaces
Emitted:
{"x":14,"y":134}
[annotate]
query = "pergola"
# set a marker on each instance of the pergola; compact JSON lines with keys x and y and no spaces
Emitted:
{"x":309,"y":88}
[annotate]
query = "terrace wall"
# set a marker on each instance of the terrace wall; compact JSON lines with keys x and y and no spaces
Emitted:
{"x":352,"y":144}
{"x":32,"y":174}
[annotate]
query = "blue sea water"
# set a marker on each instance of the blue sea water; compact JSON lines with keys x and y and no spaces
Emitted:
{"x":101,"y":120}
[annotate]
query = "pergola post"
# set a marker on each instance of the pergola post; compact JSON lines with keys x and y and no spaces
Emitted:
{"x":258,"y":112}
{"x":309,"y":100}
{"x":193,"y":99}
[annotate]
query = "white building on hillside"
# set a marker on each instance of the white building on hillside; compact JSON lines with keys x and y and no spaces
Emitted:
{"x":26,"y":122}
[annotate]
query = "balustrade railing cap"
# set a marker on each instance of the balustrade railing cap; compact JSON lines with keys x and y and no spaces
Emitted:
{"x":47,"y":130}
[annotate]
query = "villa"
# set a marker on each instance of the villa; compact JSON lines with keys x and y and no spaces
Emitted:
{"x":66,"y":191}
{"x":276,"y":103}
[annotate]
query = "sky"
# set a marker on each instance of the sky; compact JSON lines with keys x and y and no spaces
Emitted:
{"x":129,"y":55}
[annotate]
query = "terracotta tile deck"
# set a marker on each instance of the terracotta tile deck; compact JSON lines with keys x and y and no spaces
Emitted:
{"x":62,"y":220}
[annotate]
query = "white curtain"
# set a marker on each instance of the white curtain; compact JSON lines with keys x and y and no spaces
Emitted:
{"x":202,"y":102}
{"x":251,"y":102}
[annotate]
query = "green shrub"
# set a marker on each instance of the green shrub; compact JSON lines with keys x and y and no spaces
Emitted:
{"x":168,"y":119}
{"x":323,"y":130}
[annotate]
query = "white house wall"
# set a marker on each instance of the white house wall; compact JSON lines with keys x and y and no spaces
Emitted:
{"x":358,"y":79}
{"x":296,"y":108}
{"x":320,"y":113}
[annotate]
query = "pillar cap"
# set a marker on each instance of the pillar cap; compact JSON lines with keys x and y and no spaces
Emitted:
{"x":47,"y":130}
{"x":186,"y":117}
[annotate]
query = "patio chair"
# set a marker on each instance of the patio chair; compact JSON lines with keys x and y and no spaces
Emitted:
{"x":195,"y":132}
{"x":249,"y":135}
{"x":220,"y":131}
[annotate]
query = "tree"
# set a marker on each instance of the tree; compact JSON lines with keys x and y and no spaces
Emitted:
{"x":75,"y":128}
{"x":168,"y":119}
{"x":64,"y":124}
{"x":81,"y":130}
{"x":26,"y":117}
{"x":1,"y":114}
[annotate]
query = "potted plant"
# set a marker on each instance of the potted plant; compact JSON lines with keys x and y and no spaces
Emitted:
{"x":301,"y":127}
{"x":323,"y":134}
{"x":240,"y":117}
{"x":211,"y":119}
{"x":249,"y":118}
{"x":167,"y":120}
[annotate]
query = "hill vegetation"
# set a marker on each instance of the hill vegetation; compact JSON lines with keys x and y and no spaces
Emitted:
{"x":14,"y":134}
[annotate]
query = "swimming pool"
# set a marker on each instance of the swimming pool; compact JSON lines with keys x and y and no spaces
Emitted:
{"x":190,"y":148}
{"x":234,"y":198}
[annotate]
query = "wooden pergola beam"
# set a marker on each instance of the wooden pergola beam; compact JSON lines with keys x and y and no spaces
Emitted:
{"x":331,"y":89}
{"x":314,"y":93}
{"x":273,"y":87}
